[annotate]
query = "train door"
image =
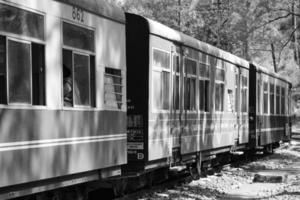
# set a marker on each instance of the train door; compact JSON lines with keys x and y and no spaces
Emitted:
{"x":259,"y":102}
{"x":175,"y":109}
{"x":237,"y":102}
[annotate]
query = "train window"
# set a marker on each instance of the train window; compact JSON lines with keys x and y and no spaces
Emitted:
{"x":21,"y":22}
{"x":81,"y":80}
{"x":38,"y":74}
{"x":272,"y":100}
{"x":161,"y":79}
{"x":19,"y":72}
{"x":78,"y":83}
{"x":78,"y":37}
{"x":161,"y":59}
{"x":23,"y":81}
{"x":237,"y":96}
{"x":3,"y":99}
{"x":282,"y":100}
{"x":258,"y":100}
{"x":78,"y":66}
{"x":190,"y":84}
{"x":176,"y":87}
{"x":219,"y":97}
{"x":204,"y":83}
{"x":220,"y":86}
{"x":266,"y":103}
{"x":244,"y":94}
{"x":113,"y":91}
{"x":277,"y":99}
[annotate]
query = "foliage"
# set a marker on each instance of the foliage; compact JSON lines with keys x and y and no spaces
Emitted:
{"x":247,"y":28}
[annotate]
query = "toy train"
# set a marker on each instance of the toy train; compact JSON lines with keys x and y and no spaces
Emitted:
{"x":89,"y":94}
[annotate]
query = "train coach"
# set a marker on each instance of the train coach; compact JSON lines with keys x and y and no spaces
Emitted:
{"x":196,"y":104}
{"x":62,"y":94}
{"x":90,"y":96}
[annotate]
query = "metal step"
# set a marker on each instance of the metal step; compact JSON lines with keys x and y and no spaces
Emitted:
{"x":237,"y":153}
{"x":177,"y":169}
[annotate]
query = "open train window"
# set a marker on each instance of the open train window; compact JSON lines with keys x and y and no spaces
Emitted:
{"x":272,"y":98}
{"x":220,"y":86}
{"x":266,"y":100}
{"x":78,"y":83}
{"x":190,"y":84}
{"x":204,"y":83}
{"x":22,"y":62}
{"x":277,"y":99}
{"x":78,"y":66}
{"x":161,"y":79}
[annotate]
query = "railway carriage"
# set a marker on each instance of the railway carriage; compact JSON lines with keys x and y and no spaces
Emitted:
{"x":192,"y":103}
{"x":44,"y":142}
{"x":270,"y":108}
{"x":89,"y":96}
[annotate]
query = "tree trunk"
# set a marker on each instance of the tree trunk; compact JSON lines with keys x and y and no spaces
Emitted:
{"x":274,"y":57}
{"x":296,"y":46}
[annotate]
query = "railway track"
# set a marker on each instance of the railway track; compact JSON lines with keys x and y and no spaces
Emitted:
{"x":185,"y":177}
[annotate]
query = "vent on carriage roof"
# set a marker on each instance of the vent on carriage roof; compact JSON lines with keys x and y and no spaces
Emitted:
{"x":99,"y":7}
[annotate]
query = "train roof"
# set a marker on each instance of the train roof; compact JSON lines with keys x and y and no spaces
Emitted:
{"x":163,"y":31}
{"x":99,"y":7}
{"x":264,"y":70}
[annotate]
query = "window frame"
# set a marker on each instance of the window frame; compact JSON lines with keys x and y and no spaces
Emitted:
{"x":266,"y":92}
{"x":190,"y":77}
{"x":89,"y":79}
{"x":25,"y":39}
{"x":161,"y":70}
{"x":175,"y":75}
{"x":204,"y":79}
{"x":245,"y":88}
{"x":221,"y":83}
{"x":272,"y":98}
{"x":80,"y":52}
{"x":119,"y":85}
{"x":7,"y":73}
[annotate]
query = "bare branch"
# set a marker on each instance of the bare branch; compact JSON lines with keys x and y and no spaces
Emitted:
{"x":287,"y":42}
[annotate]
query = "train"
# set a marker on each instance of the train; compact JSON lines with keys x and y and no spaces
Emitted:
{"x":90,"y":95}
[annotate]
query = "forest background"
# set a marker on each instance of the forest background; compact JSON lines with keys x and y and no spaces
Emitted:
{"x":264,"y":31}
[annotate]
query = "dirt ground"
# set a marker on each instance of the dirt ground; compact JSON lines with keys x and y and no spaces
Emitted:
{"x":237,"y":182}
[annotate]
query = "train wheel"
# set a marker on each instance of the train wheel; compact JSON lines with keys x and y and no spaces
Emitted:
{"x":119,"y":187}
{"x":195,"y":169}
{"x":269,"y":149}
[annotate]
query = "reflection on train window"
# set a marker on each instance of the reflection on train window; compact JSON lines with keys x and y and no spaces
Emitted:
{"x":113,"y":88}
{"x":161,"y":59}
{"x":277,"y":99}
{"x":22,"y":78}
{"x":78,"y":37}
{"x":176,"y":88}
{"x":161,"y":79}
{"x":282,"y":100}
{"x":19,"y":76}
{"x":21,"y":22}
{"x":204,"y":83}
{"x":244,"y":90}
{"x":272,"y":100}
{"x":266,"y":100}
{"x":78,"y":73}
{"x":219,"y":87}
{"x":190,"y":84}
